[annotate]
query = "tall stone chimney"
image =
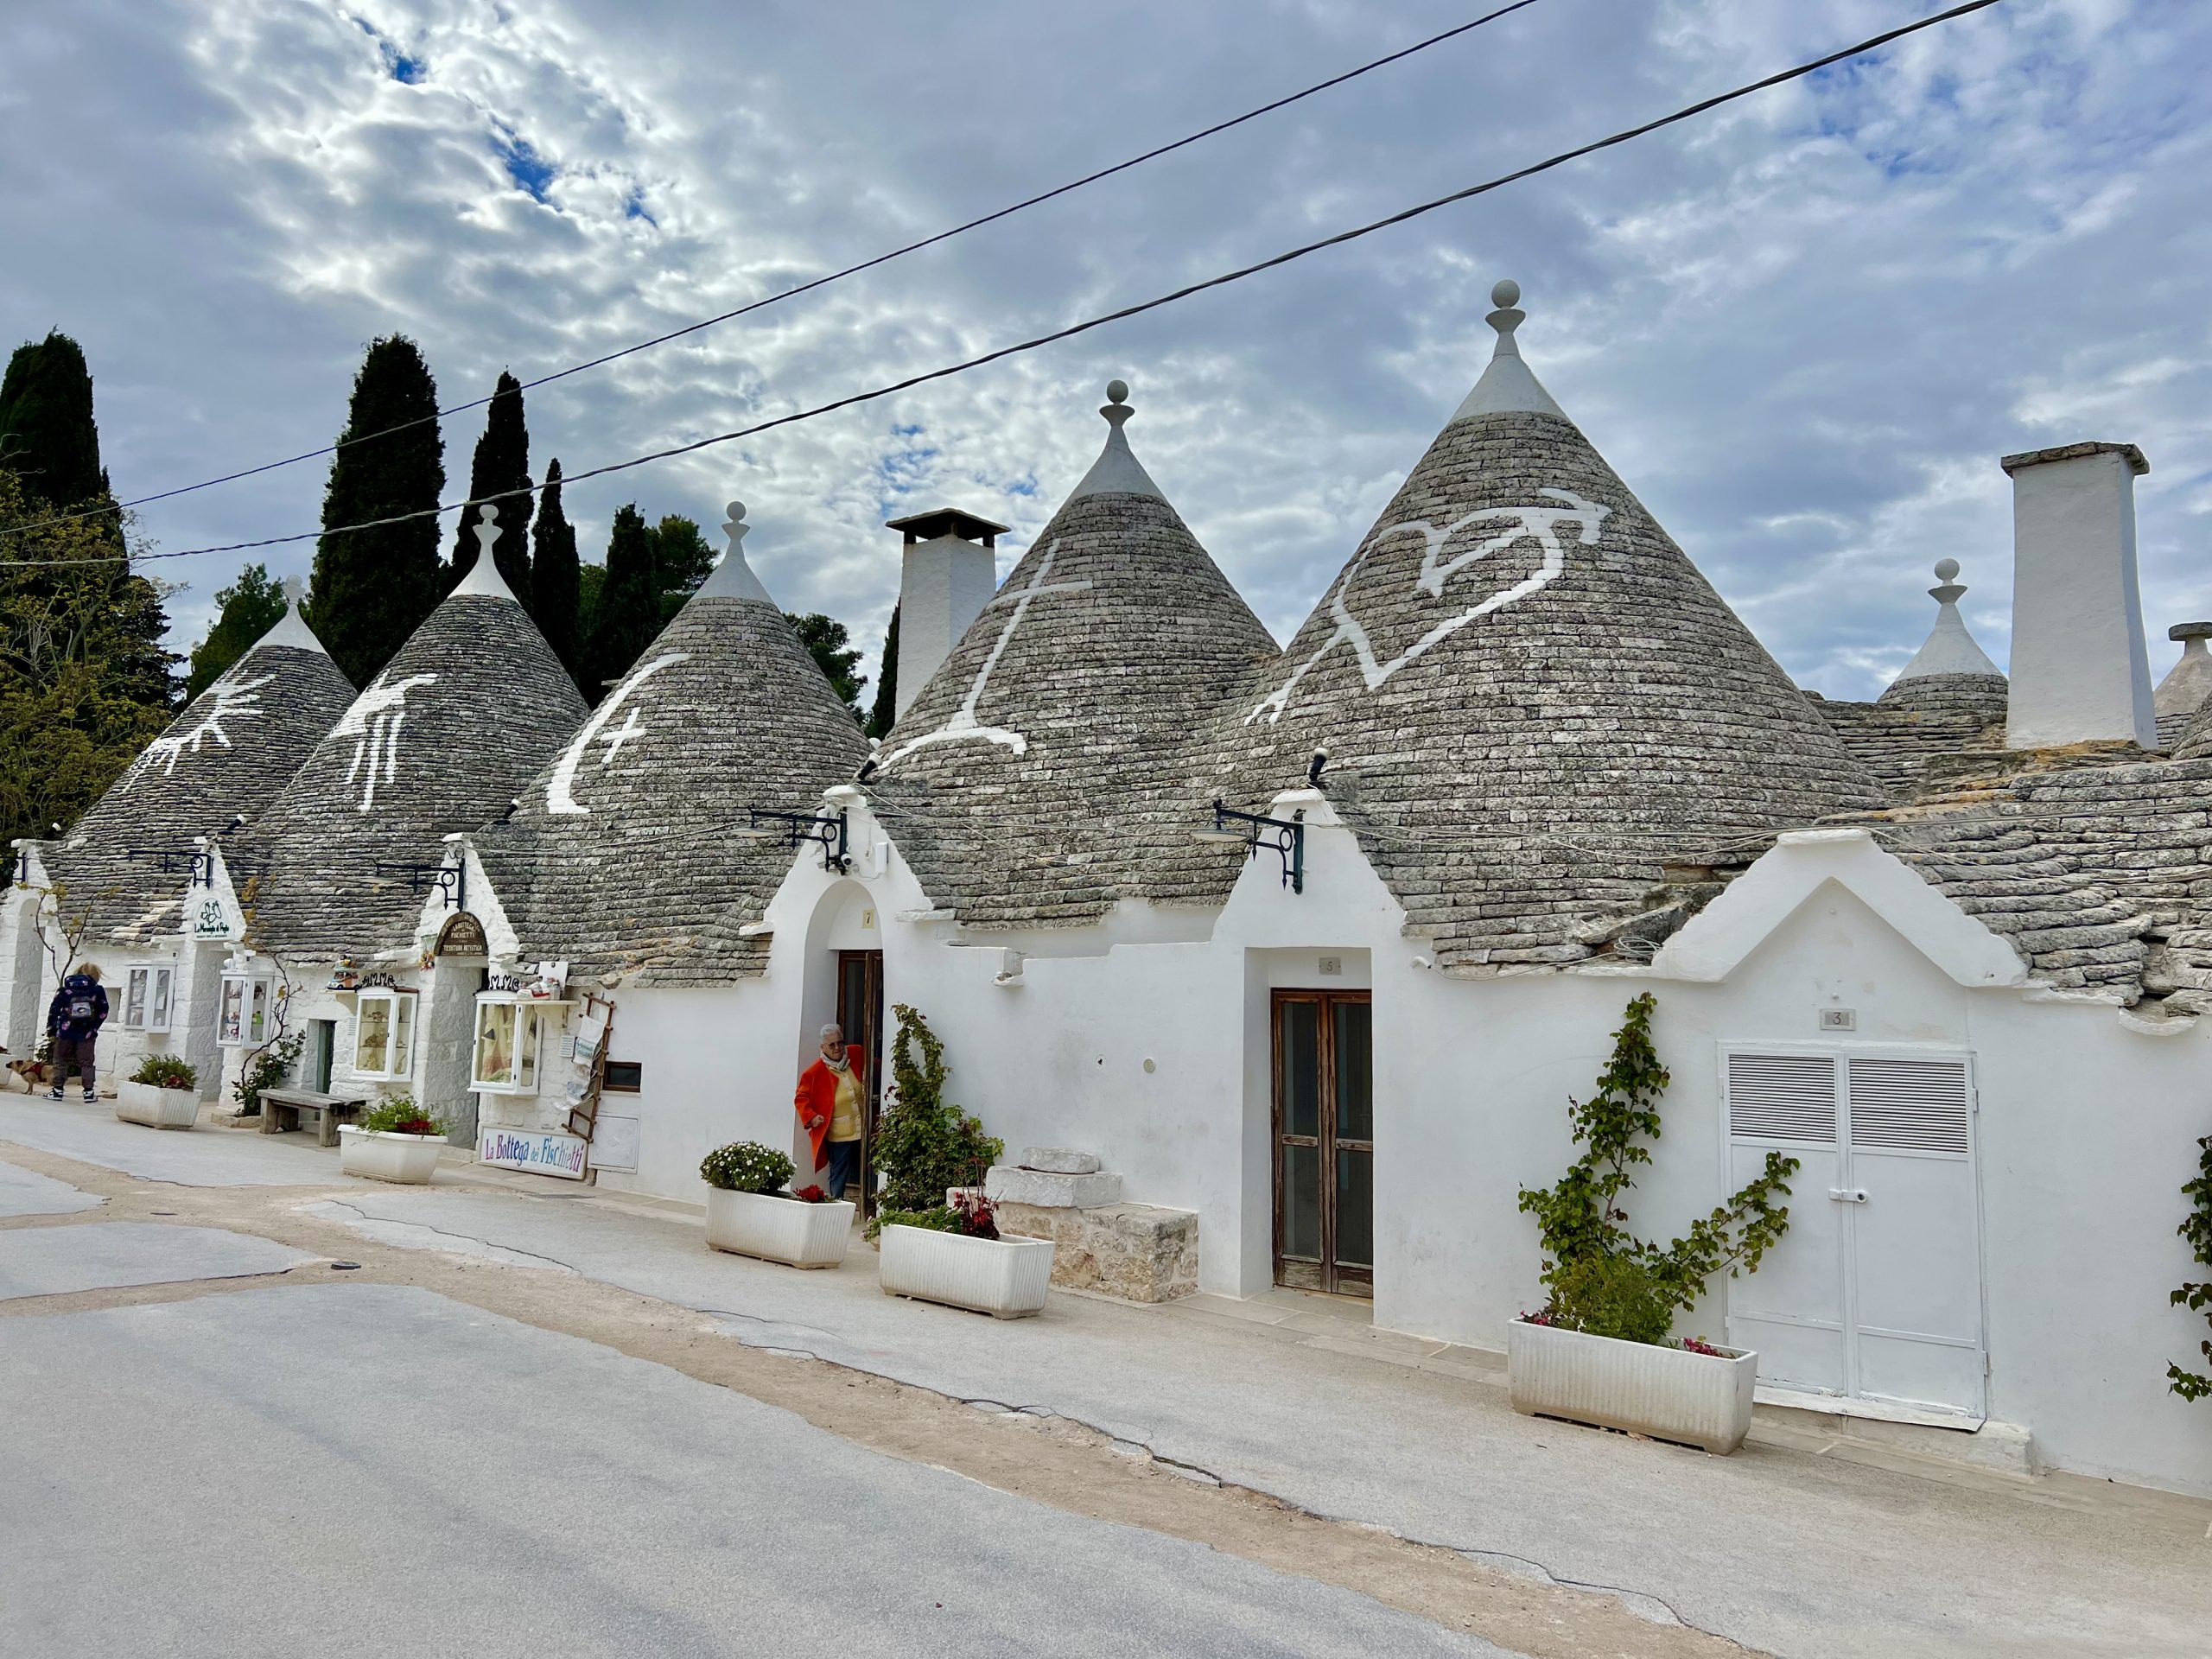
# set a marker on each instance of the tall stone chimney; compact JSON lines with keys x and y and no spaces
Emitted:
{"x":2079,"y":670}
{"x":950,"y":575}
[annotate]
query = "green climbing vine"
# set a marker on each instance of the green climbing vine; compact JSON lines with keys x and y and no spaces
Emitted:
{"x":2196,"y":1228}
{"x":1602,"y":1277}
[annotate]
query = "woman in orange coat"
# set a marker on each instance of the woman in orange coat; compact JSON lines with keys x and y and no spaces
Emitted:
{"x":832,"y":1105}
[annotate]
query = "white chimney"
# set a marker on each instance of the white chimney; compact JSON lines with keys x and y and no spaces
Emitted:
{"x":950,"y":575}
{"x":2079,"y":670}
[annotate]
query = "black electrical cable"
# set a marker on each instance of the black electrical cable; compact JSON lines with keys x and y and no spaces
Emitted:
{"x":1547,"y":164}
{"x":833,"y":277}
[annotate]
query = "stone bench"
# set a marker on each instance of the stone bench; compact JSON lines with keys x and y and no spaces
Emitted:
{"x":1137,"y":1252}
{"x":281,"y":1110}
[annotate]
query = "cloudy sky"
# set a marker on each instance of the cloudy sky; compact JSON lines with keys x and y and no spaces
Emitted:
{"x":1802,"y":330}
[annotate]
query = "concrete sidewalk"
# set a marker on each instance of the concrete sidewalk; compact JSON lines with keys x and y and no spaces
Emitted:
{"x":1785,"y":1551}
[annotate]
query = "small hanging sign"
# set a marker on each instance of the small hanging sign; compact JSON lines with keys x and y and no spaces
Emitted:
{"x":538,"y":1152}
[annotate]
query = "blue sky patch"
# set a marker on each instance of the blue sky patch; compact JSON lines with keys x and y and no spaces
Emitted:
{"x":403,"y":66}
{"x":532,"y":172}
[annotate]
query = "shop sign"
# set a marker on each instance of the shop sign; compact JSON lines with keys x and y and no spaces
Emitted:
{"x":213,"y":922}
{"x":539,"y":1153}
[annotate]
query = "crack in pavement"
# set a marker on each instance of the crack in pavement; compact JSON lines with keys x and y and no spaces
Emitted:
{"x":488,"y":1251}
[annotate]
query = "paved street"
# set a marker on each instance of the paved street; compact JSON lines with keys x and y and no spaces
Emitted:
{"x":574,"y":1429}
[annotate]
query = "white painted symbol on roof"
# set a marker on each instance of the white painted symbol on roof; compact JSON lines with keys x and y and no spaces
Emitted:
{"x":236,"y":700}
{"x":373,"y":723}
{"x":1539,"y":525}
{"x":963,"y":723}
{"x":559,"y":798}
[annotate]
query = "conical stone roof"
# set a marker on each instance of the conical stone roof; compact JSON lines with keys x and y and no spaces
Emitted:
{"x":441,"y":740}
{"x":226,"y":756}
{"x":1529,"y":698}
{"x":1950,"y":674}
{"x":626,"y":851}
{"x":1027,"y":782}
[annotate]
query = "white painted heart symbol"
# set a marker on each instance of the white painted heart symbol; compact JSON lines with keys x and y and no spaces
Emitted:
{"x":1540,"y":525}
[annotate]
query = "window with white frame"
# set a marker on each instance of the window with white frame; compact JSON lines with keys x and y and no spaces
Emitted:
{"x":383,"y":1035}
{"x":507,"y":1034}
{"x":146,"y":998}
{"x":246,"y":1016}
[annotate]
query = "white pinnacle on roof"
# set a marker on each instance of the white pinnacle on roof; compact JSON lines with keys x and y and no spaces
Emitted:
{"x":291,"y":628}
{"x":2188,"y":684}
{"x":732,"y":578}
{"x":1116,"y":471}
{"x":1951,"y":649}
{"x":1508,"y":385}
{"x":484,"y":579}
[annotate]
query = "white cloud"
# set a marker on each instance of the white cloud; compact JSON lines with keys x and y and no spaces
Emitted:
{"x":1803,"y":329}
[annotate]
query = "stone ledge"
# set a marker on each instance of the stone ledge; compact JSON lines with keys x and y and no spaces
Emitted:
{"x":1137,"y":1252}
{"x":1007,"y":1184}
{"x":1059,"y":1161}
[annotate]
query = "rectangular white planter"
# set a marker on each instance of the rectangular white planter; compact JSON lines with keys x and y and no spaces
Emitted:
{"x":158,"y":1108}
{"x":778,"y":1229}
{"x":382,"y":1155}
{"x":1004,"y":1277}
{"x":1666,"y":1393}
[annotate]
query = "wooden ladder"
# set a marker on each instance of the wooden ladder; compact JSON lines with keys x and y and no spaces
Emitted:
{"x":583,"y":1117}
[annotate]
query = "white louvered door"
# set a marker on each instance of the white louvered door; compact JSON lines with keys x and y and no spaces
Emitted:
{"x":1876,"y":1290}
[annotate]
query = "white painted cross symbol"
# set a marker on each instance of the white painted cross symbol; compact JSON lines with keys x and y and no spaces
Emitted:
{"x":560,"y":799}
{"x":615,"y":740}
{"x":963,"y":723}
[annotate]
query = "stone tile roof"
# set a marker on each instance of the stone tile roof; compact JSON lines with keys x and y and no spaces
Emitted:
{"x":1531,"y":700}
{"x":442,"y":740}
{"x":1050,"y":751}
{"x":1915,"y":725}
{"x":626,"y":851}
{"x":228,"y":754}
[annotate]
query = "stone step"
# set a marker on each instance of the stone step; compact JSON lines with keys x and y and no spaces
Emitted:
{"x":1059,"y":1161}
{"x":1006,"y":1183}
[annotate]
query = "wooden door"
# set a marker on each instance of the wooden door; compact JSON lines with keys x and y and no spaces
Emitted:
{"x":860,"y":1012}
{"x":1325,"y":1141}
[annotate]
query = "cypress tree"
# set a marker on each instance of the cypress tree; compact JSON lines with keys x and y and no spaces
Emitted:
{"x":251,"y":606}
{"x":881,"y":717}
{"x":373,"y":588}
{"x":47,"y":437}
{"x":501,"y":464}
{"x":553,"y":577}
{"x":628,"y":612}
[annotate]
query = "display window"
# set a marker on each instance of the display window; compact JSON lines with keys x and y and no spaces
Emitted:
{"x":383,"y":1035}
{"x":507,"y":1035}
{"x":247,"y":1011}
{"x":146,"y":998}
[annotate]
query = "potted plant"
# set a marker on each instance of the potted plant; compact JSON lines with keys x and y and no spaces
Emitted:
{"x":395,"y":1141}
{"x":1602,"y":1350}
{"x":163,"y":1093}
{"x":750,"y":1213}
{"x":953,"y":1253}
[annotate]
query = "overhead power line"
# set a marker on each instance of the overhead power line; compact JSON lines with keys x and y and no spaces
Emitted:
{"x":1686,"y":112}
{"x":808,"y":287}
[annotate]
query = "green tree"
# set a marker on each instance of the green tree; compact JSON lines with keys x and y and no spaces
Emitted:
{"x":924,"y":1143}
{"x":373,"y":588}
{"x":826,"y":640}
{"x":555,"y":595}
{"x":681,"y":560}
{"x":2197,"y":1230}
{"x":627,"y":615}
{"x":250,"y":606}
{"x":500,"y":468}
{"x":885,"y":712}
{"x":591,"y":583}
{"x":48,"y":435}
{"x":84,"y":681}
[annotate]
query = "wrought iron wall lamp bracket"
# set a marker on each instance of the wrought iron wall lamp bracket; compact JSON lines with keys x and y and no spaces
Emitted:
{"x":1285,"y":837}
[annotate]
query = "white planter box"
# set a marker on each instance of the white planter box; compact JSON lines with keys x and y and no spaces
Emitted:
{"x":158,"y":1108}
{"x":1666,"y":1393}
{"x":778,"y":1229}
{"x":1004,"y":1277}
{"x":382,"y":1155}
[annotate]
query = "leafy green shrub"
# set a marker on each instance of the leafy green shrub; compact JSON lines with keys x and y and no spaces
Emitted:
{"x":1611,"y":1296}
{"x":166,"y":1071}
{"x":969,"y":1214}
{"x":401,"y":1115}
{"x":1582,"y":1224}
{"x":2196,"y":1228}
{"x":924,"y":1145}
{"x":747,"y":1166}
{"x":267,"y":1067}
{"x":939,"y":1220}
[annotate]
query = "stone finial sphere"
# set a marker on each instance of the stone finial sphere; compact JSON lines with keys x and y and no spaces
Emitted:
{"x":1506,"y":294}
{"x":735,"y":512}
{"x":1947,"y":569}
{"x":1117,"y":391}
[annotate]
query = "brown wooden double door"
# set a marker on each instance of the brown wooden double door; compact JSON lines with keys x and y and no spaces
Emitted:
{"x":860,"y":1012}
{"x":1324,"y":1141}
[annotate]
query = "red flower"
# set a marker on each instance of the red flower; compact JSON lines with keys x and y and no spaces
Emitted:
{"x":811,"y":1195}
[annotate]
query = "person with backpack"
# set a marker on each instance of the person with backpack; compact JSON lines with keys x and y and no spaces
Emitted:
{"x":77,"y":1012}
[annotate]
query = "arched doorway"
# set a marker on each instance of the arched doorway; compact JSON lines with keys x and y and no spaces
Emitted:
{"x":462,"y":959}
{"x":845,"y":983}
